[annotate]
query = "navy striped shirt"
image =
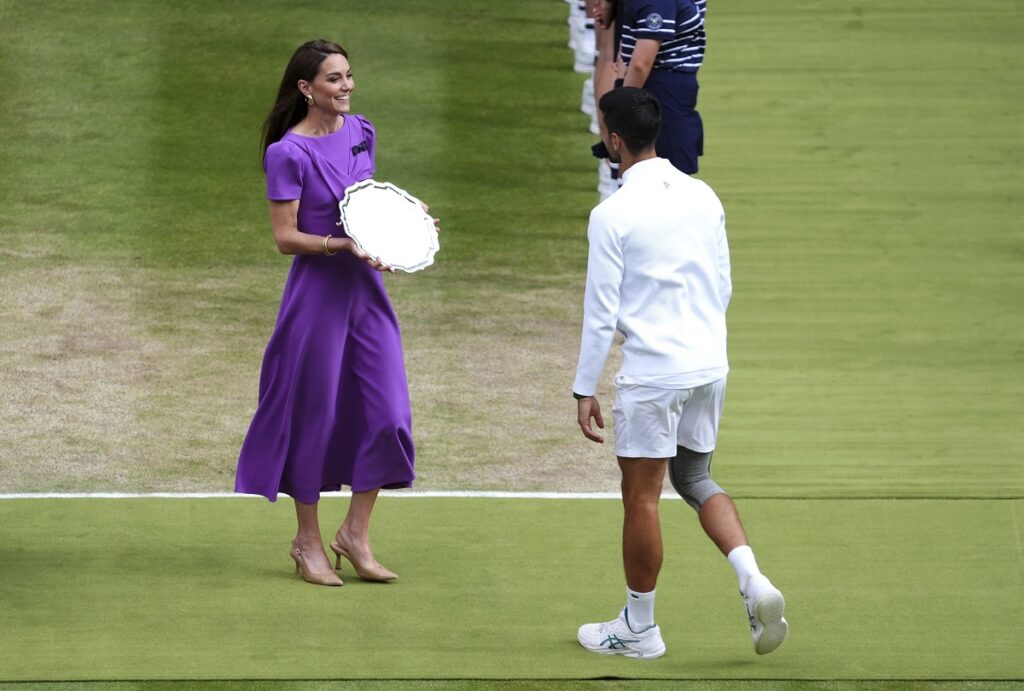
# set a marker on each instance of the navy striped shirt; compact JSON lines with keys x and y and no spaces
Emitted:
{"x":678,"y":24}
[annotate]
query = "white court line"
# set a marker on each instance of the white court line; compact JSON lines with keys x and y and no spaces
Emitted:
{"x":398,"y":494}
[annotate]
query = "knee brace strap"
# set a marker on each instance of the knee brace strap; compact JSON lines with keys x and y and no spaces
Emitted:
{"x":690,"y":474}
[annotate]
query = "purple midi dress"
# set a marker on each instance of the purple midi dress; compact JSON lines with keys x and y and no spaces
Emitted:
{"x":333,"y":398}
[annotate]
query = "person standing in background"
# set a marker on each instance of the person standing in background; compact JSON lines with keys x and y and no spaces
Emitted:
{"x":661,"y":47}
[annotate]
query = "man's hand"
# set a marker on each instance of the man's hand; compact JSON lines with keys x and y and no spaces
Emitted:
{"x":603,"y":12}
{"x":587,"y":408}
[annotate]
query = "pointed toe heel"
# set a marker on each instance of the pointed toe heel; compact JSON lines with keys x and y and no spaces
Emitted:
{"x":317,"y":578}
{"x":366,"y":571}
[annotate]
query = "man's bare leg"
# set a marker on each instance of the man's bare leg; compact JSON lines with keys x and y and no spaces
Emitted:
{"x":642,"y":550}
{"x":721,"y":522}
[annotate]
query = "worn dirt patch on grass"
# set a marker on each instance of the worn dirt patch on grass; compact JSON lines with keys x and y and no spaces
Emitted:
{"x":71,"y":378}
{"x":143,"y":379}
{"x":491,"y":380}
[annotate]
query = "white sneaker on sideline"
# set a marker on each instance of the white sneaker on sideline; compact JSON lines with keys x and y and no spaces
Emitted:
{"x":587,"y":105}
{"x":576,"y":22}
{"x":606,"y":184}
{"x":616,"y":638}
{"x":765,"y":606}
{"x":584,"y":51}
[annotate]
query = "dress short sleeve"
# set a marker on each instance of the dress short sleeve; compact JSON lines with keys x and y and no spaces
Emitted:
{"x":369,"y":137}
{"x":284,"y":167}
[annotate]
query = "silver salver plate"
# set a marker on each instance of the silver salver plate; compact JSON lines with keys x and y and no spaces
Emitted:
{"x":389,"y":224}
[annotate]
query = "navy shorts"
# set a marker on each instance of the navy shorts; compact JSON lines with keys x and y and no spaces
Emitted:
{"x":681,"y":139}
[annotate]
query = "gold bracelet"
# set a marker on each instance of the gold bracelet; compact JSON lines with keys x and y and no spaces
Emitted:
{"x":327,"y":250}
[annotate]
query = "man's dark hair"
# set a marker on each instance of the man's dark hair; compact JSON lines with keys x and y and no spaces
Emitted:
{"x":634,"y":115}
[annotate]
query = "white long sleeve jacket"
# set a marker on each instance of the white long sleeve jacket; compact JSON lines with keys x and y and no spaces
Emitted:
{"x":658,"y":271}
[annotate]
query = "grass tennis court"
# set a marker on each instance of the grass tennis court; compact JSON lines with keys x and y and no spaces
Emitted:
{"x":868,"y":156}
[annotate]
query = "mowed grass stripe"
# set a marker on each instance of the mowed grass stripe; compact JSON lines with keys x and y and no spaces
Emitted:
{"x":875,"y":246}
{"x":173,"y":589}
{"x":75,"y":357}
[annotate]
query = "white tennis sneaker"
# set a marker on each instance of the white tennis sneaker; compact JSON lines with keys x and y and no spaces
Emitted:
{"x":587,"y":104}
{"x":606,"y":184}
{"x":616,"y":638}
{"x":765,"y":607}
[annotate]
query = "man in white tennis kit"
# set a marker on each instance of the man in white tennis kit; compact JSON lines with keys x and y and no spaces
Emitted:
{"x":658,"y":272}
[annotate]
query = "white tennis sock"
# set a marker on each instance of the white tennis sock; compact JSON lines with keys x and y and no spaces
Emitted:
{"x":639,"y":610}
{"x":742,"y":560}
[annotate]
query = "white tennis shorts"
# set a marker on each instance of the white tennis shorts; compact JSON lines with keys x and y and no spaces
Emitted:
{"x":650,"y":422}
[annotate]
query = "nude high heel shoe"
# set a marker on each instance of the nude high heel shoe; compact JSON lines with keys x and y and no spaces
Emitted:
{"x":324,"y":578}
{"x":367,"y":572}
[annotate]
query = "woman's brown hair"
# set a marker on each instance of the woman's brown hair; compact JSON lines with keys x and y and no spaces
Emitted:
{"x":290,"y":106}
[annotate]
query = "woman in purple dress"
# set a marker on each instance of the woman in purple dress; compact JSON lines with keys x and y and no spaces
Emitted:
{"x":333,"y":399}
